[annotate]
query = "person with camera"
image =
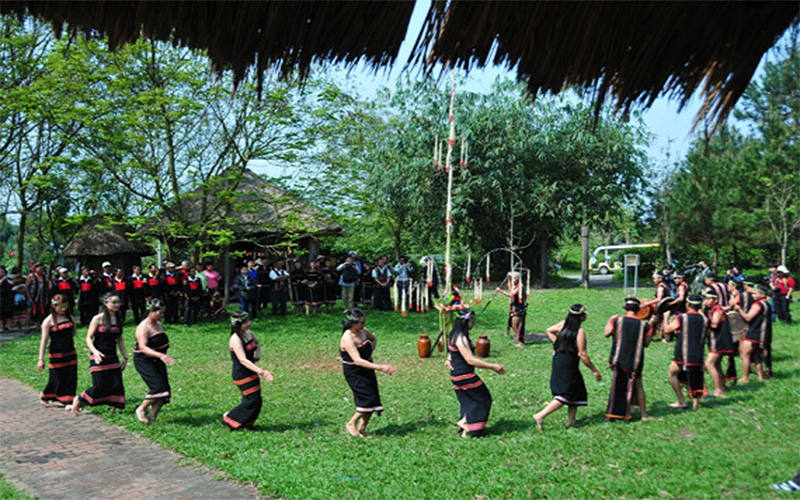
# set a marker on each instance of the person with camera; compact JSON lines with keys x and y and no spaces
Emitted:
{"x":349,"y":271}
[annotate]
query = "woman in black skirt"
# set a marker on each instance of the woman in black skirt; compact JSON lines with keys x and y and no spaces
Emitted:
{"x":151,"y":359}
{"x":245,"y":351}
{"x":356,"y":347}
{"x":472,"y":393}
{"x":103,"y":338}
{"x":566,"y":381}
{"x":58,"y":332}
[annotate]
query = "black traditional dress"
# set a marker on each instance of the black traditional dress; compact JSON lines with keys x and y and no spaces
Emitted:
{"x":472,"y":393}
{"x":566,"y":381}
{"x":63,"y":364}
{"x":517,"y":308}
{"x":626,"y":361}
{"x":688,"y":353}
{"x":721,"y":341}
{"x":249,"y":385}
{"x":759,"y":334}
{"x":152,"y":370}
{"x":362,"y":381}
{"x":107,"y":387}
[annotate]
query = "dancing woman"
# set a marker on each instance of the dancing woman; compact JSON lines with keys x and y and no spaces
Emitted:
{"x":245,"y":351}
{"x":566,"y":381}
{"x":103,"y":338}
{"x":472,"y":393}
{"x":58,"y":332}
{"x":151,"y":359}
{"x":356,"y":347}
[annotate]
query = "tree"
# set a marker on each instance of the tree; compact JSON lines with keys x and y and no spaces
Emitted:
{"x":771,"y":109}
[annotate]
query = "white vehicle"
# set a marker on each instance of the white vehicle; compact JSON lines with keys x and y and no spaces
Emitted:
{"x":601,"y":257}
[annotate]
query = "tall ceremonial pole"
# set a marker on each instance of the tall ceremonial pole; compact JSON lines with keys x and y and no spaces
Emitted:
{"x":451,"y":142}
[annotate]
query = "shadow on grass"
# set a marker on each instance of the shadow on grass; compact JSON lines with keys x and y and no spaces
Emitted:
{"x":408,"y":428}
{"x":294,"y":426}
{"x":781,"y":374}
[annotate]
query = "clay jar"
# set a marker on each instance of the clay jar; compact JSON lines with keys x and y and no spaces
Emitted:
{"x":424,"y":346}
{"x":482,"y":346}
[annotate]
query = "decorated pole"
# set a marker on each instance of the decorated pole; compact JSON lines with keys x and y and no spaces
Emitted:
{"x":451,"y":142}
{"x":469,"y":264}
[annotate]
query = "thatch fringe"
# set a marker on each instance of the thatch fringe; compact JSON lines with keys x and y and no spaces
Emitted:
{"x":630,"y":51}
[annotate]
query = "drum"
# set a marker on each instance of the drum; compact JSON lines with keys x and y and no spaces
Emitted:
{"x":738,"y":325}
{"x":645,"y":312}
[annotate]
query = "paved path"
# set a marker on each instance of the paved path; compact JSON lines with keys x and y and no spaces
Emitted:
{"x":49,"y":453}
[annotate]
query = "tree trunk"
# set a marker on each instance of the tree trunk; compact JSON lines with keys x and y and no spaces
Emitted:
{"x":585,"y":256}
{"x":543,"y":261}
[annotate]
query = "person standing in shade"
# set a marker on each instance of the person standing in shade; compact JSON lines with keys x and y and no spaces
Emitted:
{"x":103,"y":338}
{"x":151,"y":359}
{"x":245,"y":351}
{"x":402,"y":272}
{"x":280,"y":287}
{"x":349,"y":271}
{"x":356,"y":347}
{"x":687,"y":359}
{"x":137,"y":290}
{"x":87,"y":295}
{"x":473,"y":396}
{"x":36,"y":287}
{"x":192,"y":296}
{"x":58,"y":332}
{"x":629,"y":337}
{"x":783,"y":286}
{"x":173,"y":293}
{"x":382,"y":276}
{"x":566,"y":381}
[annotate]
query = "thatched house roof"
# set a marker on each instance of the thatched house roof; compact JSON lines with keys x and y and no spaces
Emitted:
{"x":631,"y":50}
{"x":259,"y":211}
{"x":99,"y":238}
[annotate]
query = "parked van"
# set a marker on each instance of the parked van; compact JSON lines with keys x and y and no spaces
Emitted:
{"x":601,"y":259}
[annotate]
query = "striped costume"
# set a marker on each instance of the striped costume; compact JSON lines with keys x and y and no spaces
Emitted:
{"x":249,"y":384}
{"x":688,"y":353}
{"x":63,"y":364}
{"x":626,"y":361}
{"x":472,"y":393}
{"x":107,"y":387}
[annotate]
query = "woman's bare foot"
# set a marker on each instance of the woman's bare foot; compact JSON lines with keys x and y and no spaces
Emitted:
{"x":141,"y":417}
{"x":351,"y":428}
{"x":744,"y":380}
{"x":539,"y":421}
{"x":44,"y":403}
{"x":677,"y":405}
{"x":464,"y":433}
{"x":364,"y":433}
{"x":520,"y":344}
{"x":647,"y":417}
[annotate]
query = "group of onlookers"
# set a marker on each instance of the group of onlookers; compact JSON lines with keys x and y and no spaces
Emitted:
{"x":186,"y":290}
{"x":320,"y":282}
{"x":190,"y":291}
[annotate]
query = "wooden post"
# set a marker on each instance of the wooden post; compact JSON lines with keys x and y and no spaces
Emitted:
{"x":585,"y":256}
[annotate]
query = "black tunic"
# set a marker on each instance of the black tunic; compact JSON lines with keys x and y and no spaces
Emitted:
{"x":107,"y":387}
{"x":362,"y":381}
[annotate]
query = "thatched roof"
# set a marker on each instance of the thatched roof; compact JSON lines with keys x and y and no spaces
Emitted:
{"x":632,"y":50}
{"x":260,"y":211}
{"x":98,"y":238}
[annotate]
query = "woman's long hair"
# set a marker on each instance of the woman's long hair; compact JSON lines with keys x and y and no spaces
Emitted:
{"x":238,"y":319}
{"x":567,"y":340}
{"x":107,"y":313}
{"x":351,"y":317}
{"x":460,"y":326}
{"x":57,"y":299}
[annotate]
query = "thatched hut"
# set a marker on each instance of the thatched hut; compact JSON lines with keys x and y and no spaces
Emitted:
{"x":631,"y":51}
{"x":99,"y":240}
{"x":260,"y":214}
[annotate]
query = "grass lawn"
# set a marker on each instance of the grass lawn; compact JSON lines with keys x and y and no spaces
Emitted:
{"x":733,"y":447}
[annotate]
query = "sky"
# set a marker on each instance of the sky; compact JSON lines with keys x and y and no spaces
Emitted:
{"x":671,"y":128}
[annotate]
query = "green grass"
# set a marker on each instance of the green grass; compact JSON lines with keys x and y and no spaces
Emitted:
{"x":10,"y":492}
{"x":734,"y":447}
